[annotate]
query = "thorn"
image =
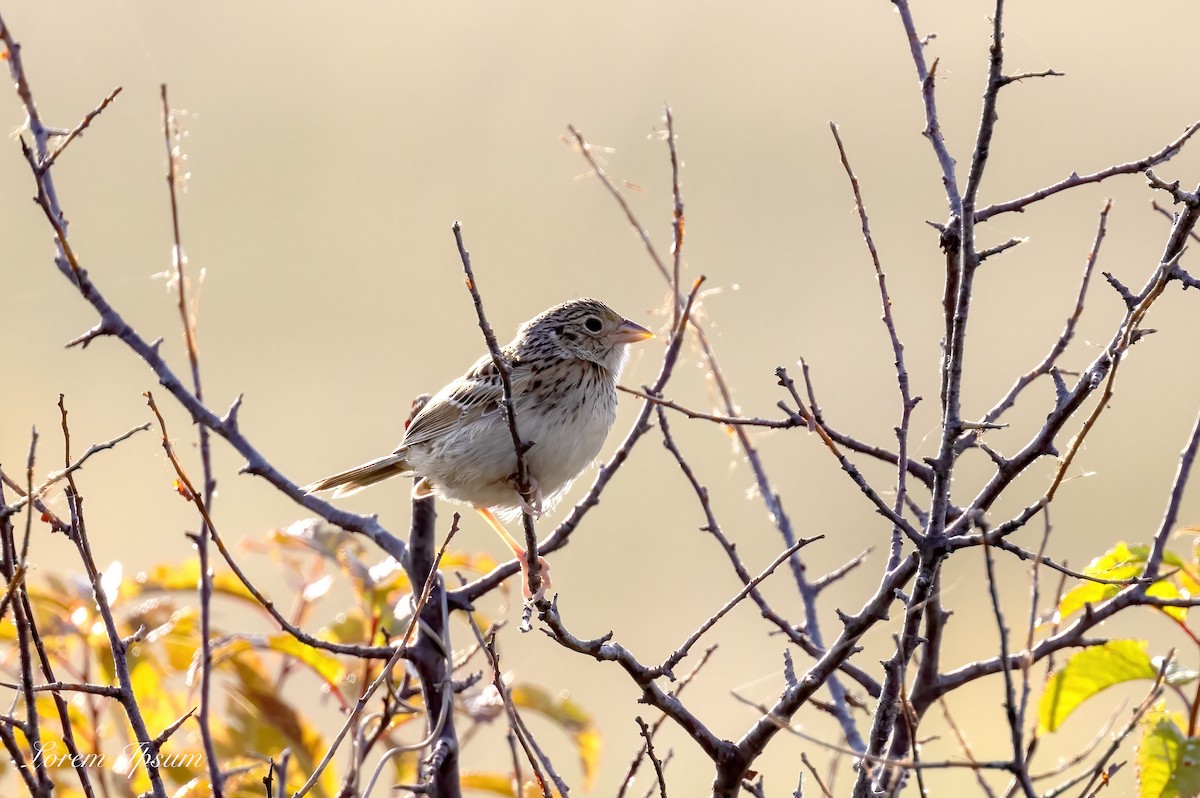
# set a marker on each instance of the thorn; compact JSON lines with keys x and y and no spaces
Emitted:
{"x":1060,"y":387}
{"x":1126,"y":295}
{"x":1000,"y":462}
{"x":231,"y":415}
{"x":1182,"y":276}
{"x":136,"y":637}
{"x":102,"y":328}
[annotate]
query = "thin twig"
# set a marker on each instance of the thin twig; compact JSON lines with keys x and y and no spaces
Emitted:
{"x":1012,"y":714}
{"x":907,"y":401}
{"x":190,"y":493}
{"x":684,"y":681}
{"x":816,"y":776}
{"x":1064,"y":339}
{"x":677,"y":220}
{"x":172,"y":138}
{"x":520,"y":447}
{"x":966,"y":748}
{"x":679,"y":653}
{"x":463,"y":596}
{"x":57,"y":476}
{"x":791,"y":421}
{"x":488,"y":645}
{"x":1075,"y":179}
{"x":384,"y":673}
{"x":117,"y":645}
{"x":78,"y":129}
{"x":658,"y":766}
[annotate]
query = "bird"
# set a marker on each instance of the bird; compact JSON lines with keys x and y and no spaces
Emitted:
{"x":564,"y":365}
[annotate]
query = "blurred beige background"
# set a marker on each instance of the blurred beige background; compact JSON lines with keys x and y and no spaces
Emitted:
{"x":330,"y":147}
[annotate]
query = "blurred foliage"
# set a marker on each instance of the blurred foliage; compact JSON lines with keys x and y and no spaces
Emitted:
{"x":263,"y":683}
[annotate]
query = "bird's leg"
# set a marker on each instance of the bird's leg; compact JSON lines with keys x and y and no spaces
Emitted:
{"x":534,"y":508}
{"x":521,"y":555}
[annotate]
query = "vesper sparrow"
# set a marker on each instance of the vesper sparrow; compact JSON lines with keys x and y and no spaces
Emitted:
{"x":565,"y":364}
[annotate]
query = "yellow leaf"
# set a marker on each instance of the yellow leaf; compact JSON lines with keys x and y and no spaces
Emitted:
{"x":186,"y":576}
{"x":494,"y":783}
{"x":571,"y":717}
{"x":322,"y":663}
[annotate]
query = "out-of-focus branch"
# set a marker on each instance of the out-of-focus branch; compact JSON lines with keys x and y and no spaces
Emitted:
{"x":714,"y":528}
{"x":755,"y":740}
{"x":172,"y":138}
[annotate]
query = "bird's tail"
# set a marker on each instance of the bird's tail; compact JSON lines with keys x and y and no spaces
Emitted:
{"x":354,"y":480}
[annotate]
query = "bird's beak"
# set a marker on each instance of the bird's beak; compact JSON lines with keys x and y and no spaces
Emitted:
{"x":629,"y":333}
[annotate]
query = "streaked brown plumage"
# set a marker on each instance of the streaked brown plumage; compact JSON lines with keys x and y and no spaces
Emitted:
{"x":564,"y":366}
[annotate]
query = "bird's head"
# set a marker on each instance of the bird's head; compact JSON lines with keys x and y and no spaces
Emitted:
{"x":586,"y":329}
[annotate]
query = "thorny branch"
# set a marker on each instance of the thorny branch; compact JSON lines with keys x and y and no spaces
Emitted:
{"x":911,"y":581}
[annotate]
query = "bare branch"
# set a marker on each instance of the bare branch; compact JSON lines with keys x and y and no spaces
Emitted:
{"x":1074,"y":179}
{"x":57,"y":476}
{"x":78,"y":129}
{"x":1064,"y":339}
{"x":190,"y":493}
{"x":1017,"y":78}
{"x":684,"y":681}
{"x":658,"y":766}
{"x":907,"y":401}
{"x":1020,"y":768}
{"x":933,"y":128}
{"x":462,"y":597}
{"x":520,"y":447}
{"x":678,"y":654}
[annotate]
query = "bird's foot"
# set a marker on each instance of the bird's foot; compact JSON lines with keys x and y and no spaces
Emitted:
{"x":535,"y":506}
{"x":543,"y":574}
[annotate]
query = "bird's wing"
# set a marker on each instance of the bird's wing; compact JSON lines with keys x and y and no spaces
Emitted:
{"x":476,"y":394}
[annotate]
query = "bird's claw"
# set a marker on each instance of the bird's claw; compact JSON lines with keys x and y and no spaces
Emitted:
{"x":534,"y":507}
{"x":543,"y":572}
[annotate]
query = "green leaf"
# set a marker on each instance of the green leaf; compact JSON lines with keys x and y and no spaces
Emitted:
{"x":1167,"y":759}
{"x":1089,"y":672}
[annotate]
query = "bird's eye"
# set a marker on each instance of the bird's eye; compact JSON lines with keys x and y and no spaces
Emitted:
{"x":593,"y":324}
